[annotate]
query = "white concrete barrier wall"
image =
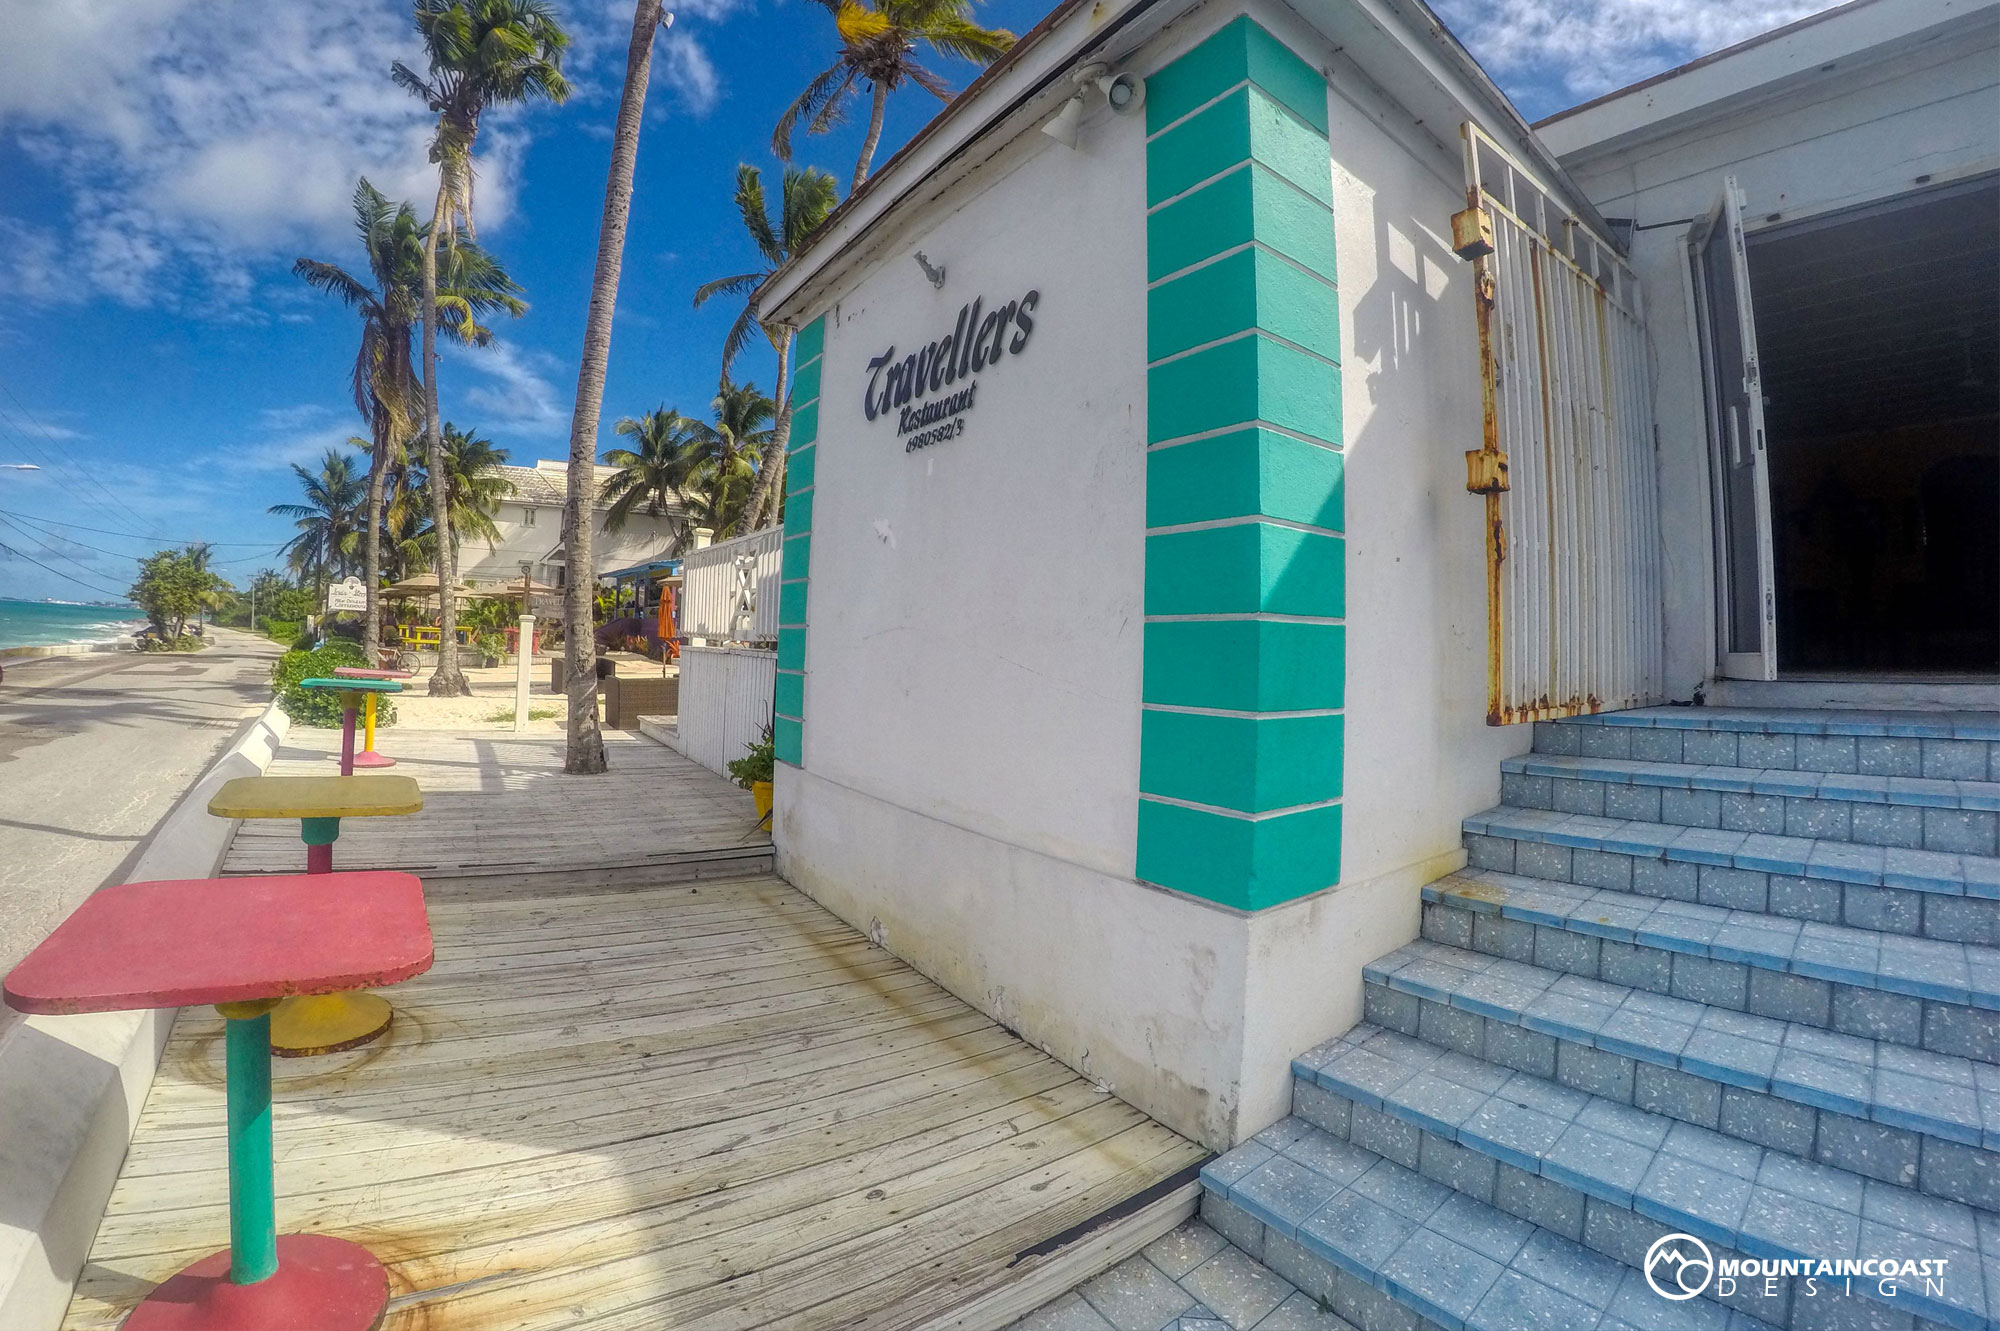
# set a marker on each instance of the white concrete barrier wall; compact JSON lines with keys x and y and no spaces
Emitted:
{"x":725,"y":702}
{"x":71,"y":1087}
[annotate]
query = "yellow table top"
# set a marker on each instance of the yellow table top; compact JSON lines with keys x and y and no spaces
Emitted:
{"x":316,"y":797}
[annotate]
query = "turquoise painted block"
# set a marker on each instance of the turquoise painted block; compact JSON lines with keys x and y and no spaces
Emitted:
{"x":1246,"y":473}
{"x":805,"y":426}
{"x":791,"y":694}
{"x":796,"y":565}
{"x":792,"y":603}
{"x":1248,"y":568}
{"x":798,"y":513}
{"x":1250,"y":203}
{"x":1240,"y":383}
{"x":791,"y":649}
{"x":805,"y":384}
{"x":1245,"y":124}
{"x":812,"y":340}
{"x":1247,"y":864}
{"x":1240,"y":50}
{"x":800,"y":467}
{"x":1252,"y":764}
{"x":1248,"y":665}
{"x":1251,"y":288}
{"x":788,"y":736}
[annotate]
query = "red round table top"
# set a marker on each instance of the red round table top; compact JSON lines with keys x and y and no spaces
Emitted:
{"x":361,"y":672}
{"x":223,"y":940}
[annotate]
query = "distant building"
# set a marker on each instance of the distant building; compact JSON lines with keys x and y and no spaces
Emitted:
{"x":530,"y":523}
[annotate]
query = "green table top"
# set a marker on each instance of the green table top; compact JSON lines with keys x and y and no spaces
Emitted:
{"x":353,"y":685}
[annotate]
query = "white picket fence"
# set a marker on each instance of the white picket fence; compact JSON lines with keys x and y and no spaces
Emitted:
{"x":730,"y":592}
{"x":725,"y":702}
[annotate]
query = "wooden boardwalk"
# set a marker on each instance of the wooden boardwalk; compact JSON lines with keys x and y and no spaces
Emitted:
{"x":497,"y":802}
{"x":619,"y":1102}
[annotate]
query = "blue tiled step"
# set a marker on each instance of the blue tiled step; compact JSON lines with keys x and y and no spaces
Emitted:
{"x":1585,"y":1148}
{"x":1902,"y":1115}
{"x":1967,"y":974}
{"x":1872,"y":810}
{"x":1856,"y":722}
{"x":1940,"y":894}
{"x":1349,"y":1226}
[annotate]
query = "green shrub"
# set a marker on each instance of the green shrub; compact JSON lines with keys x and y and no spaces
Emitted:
{"x":281,"y":630}
{"x":320,"y":707}
{"x":758,"y":762}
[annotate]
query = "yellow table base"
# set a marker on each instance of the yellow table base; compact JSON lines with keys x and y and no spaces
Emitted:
{"x":328,"y":1023}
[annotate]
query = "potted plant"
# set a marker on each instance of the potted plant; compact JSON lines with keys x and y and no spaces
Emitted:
{"x":492,"y":648}
{"x":753,"y":772}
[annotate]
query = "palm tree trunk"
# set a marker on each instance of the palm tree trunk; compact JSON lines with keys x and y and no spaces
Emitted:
{"x":586,"y":744}
{"x":371,"y":630}
{"x":447,"y":681}
{"x":774,"y":448}
{"x":874,"y":136}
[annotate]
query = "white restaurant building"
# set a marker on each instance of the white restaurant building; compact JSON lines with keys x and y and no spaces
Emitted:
{"x":1144,"y":659}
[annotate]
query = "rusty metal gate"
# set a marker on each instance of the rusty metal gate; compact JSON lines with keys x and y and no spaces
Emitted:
{"x":1566,"y":463}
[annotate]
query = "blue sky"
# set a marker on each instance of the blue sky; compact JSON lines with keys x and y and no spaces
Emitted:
{"x":162,"y":162}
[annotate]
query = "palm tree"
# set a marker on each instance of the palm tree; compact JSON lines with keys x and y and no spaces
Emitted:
{"x":878,"y":43}
{"x":481,"y":53}
{"x":386,"y":392}
{"x":326,"y":521}
{"x":742,"y":437}
{"x":656,"y":475}
{"x":806,"y":197}
{"x":474,"y":487}
{"x":585,"y":749}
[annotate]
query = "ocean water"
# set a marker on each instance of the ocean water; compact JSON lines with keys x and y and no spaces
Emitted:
{"x":44,"y":623}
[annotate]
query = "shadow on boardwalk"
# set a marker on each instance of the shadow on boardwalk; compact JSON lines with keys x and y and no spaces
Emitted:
{"x":631,"y":1098}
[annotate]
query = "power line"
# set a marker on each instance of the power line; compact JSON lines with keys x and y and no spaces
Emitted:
{"x":63,"y":555}
{"x":66,"y":577}
{"x":30,"y":418}
{"x":162,"y":540}
{"x":15,"y":520}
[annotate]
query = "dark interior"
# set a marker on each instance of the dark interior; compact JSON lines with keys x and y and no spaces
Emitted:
{"x":1879,"y":336}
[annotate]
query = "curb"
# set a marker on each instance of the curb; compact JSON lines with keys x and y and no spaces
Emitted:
{"x":71,"y":1087}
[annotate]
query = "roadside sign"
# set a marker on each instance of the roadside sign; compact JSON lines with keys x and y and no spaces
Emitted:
{"x":347,"y":594}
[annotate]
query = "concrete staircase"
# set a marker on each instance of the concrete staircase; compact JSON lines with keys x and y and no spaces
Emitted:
{"x":1727,"y":973}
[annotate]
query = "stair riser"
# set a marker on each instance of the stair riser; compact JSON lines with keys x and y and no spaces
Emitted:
{"x":1867,"y":755}
{"x":1876,"y":1014}
{"x":1867,"y":823}
{"x":1619,"y":1228}
{"x":1350,"y":1295}
{"x":1944,"y":1168}
{"x":1896,"y":910}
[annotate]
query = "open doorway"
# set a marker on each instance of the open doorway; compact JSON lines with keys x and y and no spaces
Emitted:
{"x":1878,"y":332}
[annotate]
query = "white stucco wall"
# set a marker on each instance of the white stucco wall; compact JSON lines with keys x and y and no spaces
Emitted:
{"x":973,"y":659}
{"x":1866,"y":129}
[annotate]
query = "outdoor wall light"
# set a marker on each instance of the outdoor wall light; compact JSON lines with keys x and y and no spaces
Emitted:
{"x":1124,"y":93}
{"x":1067,"y":122}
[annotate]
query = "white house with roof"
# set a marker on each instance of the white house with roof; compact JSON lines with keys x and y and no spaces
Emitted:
{"x":530,"y":523}
{"x":1454,"y":661}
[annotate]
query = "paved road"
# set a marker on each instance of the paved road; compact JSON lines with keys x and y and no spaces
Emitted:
{"x":94,"y":750}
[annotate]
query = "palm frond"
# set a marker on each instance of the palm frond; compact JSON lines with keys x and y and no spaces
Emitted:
{"x":819,"y":106}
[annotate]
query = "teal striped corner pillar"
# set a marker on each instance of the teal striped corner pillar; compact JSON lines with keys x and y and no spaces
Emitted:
{"x":788,"y":730}
{"x":1241,"y":737}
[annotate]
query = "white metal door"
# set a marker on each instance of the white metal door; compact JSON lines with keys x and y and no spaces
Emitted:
{"x":1746,"y":577}
{"x":1574,"y":578}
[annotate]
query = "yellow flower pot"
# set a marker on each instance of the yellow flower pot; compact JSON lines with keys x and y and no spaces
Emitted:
{"x":761,"y":792}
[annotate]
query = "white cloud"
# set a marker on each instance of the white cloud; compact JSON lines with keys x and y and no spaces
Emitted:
{"x":683,"y":65}
{"x":1582,"y":48}
{"x":198,"y":142}
{"x":520,"y":395}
